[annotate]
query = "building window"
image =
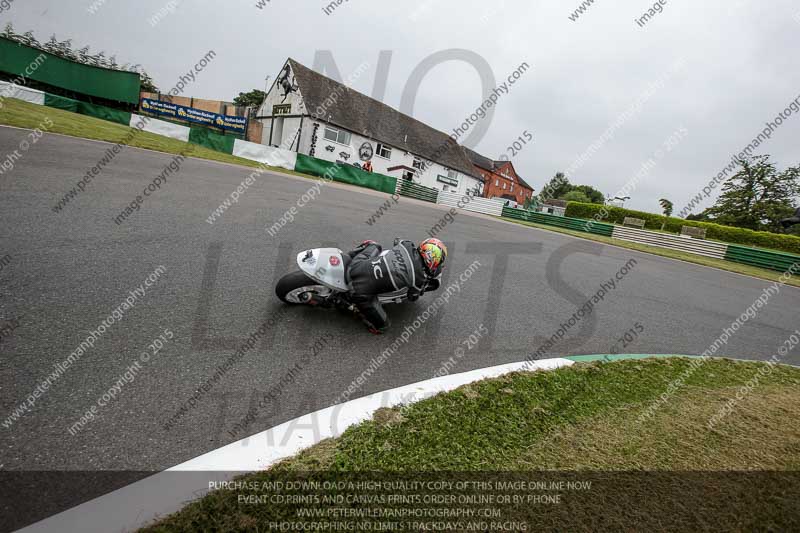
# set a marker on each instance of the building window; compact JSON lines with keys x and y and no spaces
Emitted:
{"x":496,"y":183}
{"x":337,"y":136}
{"x":504,"y":186}
{"x":512,"y":187}
{"x":452,"y":174}
{"x":408,"y":175}
{"x":418,"y":164}
{"x":383,"y":151}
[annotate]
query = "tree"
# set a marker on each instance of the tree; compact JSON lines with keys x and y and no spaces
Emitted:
{"x":558,"y":186}
{"x":758,"y":196}
{"x":83,"y":55}
{"x":65,"y":50}
{"x":530,"y":203}
{"x":576,"y":196}
{"x":8,"y":32}
{"x":700,"y":217}
{"x":52,"y":45}
{"x":666,"y":207}
{"x":147,"y":83}
{"x":99,"y":59}
{"x":594,"y":196}
{"x":253,"y":98}
{"x":29,"y":39}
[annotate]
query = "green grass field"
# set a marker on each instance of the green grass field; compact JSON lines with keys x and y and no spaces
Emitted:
{"x":584,"y":421}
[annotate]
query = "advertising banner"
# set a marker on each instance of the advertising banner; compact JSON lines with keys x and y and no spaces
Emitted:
{"x":190,"y":114}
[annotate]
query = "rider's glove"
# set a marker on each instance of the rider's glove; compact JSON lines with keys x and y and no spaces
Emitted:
{"x":433,"y":284}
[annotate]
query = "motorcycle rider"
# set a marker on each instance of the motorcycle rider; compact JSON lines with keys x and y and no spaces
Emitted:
{"x":375,"y":271}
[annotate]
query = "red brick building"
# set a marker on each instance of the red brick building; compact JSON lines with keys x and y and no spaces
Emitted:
{"x":501,"y":179}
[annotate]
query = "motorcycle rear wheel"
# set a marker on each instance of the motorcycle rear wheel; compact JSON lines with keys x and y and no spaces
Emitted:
{"x":297,"y":288}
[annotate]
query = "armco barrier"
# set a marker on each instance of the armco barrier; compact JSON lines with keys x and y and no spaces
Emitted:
{"x":768,"y":259}
{"x":345,"y":174}
{"x":761,"y":258}
{"x":414,"y":190}
{"x":476,"y":204}
{"x":576,"y":224}
{"x":673,"y":242}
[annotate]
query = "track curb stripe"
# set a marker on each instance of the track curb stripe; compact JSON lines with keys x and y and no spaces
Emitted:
{"x":169,"y":491}
{"x":164,"y":493}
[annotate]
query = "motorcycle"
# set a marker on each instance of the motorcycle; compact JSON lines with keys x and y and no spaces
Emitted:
{"x":323,"y":281}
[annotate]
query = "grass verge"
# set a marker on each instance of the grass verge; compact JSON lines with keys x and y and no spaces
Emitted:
{"x":26,"y":115}
{"x":738,"y":268}
{"x":670,"y":471}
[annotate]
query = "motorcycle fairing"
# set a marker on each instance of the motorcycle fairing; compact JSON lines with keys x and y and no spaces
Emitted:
{"x":324,"y":265}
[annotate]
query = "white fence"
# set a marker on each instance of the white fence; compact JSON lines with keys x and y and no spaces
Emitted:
{"x":269,"y":155}
{"x":674,"y":242}
{"x":160,"y":127}
{"x":11,"y":90}
{"x":487,"y":206}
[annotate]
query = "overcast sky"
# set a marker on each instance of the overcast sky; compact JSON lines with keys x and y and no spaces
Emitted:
{"x":741,"y":70}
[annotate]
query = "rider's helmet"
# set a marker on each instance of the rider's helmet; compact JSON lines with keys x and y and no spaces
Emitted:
{"x":434,"y":254}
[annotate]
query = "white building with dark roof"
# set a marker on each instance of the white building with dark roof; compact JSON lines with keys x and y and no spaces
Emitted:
{"x":312,"y":114}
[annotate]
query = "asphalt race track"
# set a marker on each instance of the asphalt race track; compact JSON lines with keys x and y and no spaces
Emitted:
{"x":69,"y":270}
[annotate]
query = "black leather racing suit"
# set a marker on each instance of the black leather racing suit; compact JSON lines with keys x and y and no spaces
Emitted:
{"x":375,"y":271}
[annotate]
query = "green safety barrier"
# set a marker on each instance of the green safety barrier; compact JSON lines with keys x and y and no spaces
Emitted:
{"x":104,"y":113}
{"x":85,"y":108}
{"x":215,"y":141}
{"x":420,"y":192}
{"x":21,"y":60}
{"x":345,"y":173}
{"x":761,"y":258}
{"x":59,"y":102}
{"x":576,"y":224}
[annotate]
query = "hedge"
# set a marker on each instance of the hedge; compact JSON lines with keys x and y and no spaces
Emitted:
{"x":746,"y":237}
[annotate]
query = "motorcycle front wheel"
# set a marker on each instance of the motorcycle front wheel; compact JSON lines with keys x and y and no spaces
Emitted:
{"x":297,"y":288}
